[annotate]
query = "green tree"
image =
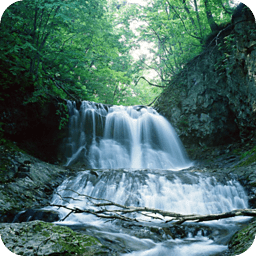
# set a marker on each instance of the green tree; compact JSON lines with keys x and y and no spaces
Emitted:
{"x":68,"y":49}
{"x":82,"y":49}
{"x":179,"y":30}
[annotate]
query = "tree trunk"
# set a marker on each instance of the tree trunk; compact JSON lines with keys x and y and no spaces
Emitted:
{"x":198,"y":19}
{"x":213,"y":25}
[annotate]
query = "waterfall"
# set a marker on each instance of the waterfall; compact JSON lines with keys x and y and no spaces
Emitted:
{"x":131,"y":156}
{"x":122,"y":137}
{"x":185,"y":192}
{"x":181,"y":192}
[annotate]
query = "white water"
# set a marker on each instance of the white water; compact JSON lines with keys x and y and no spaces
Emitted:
{"x":123,"y":137}
{"x":186,"y":193}
{"x":183,"y":192}
{"x":137,"y":138}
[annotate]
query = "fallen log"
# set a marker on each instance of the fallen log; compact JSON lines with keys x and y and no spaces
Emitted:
{"x":121,"y":211}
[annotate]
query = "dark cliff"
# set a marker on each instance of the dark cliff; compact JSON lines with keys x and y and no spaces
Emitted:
{"x":212,"y":101}
{"x":35,"y":127}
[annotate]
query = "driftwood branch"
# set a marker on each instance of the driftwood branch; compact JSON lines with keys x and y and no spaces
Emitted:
{"x":209,"y":217}
{"x":123,"y":212}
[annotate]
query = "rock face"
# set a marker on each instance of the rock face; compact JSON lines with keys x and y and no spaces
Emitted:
{"x":29,"y":188}
{"x":35,"y":126}
{"x":40,"y":238}
{"x":212,"y":101}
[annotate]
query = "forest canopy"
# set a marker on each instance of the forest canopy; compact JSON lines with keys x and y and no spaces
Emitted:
{"x":85,"y":49}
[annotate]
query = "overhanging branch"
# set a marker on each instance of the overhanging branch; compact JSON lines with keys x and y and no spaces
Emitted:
{"x":156,"y":85}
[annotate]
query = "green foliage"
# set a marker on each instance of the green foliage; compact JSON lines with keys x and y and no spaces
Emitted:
{"x":62,"y":112}
{"x":82,"y":49}
{"x":67,"y":49}
{"x":178,"y":30}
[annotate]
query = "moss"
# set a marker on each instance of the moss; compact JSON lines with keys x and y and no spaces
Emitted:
{"x":71,"y":242}
{"x":249,"y":152}
{"x":248,"y":160}
{"x":248,"y":157}
{"x":41,"y":238}
{"x":243,"y":239}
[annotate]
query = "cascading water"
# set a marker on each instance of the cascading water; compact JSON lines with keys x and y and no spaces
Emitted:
{"x":122,"y":137}
{"x":184,"y":192}
{"x":135,"y":154}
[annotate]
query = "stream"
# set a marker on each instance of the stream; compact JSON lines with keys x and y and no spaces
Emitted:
{"x":132,"y":156}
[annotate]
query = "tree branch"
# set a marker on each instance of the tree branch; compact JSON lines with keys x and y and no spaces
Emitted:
{"x":150,"y":67}
{"x":151,"y":103}
{"x":173,"y":8}
{"x":121,"y":212}
{"x":227,"y":27}
{"x":58,"y":85}
{"x":156,"y":85}
{"x":209,"y":217}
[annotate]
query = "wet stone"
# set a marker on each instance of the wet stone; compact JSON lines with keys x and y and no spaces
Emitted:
{"x":37,"y":214}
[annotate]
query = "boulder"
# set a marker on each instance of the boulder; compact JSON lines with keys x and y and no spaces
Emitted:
{"x":41,"y":238}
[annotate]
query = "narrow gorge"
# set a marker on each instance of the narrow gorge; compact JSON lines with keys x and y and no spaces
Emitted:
{"x":177,"y":178}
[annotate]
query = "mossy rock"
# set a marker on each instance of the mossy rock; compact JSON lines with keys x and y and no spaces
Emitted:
{"x":243,"y":239}
{"x":41,"y":238}
{"x":249,"y":160}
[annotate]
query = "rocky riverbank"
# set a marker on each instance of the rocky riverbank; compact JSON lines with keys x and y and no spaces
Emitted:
{"x":242,"y":239}
{"x":25,"y":181}
{"x":239,"y":160}
{"x":27,"y":184}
